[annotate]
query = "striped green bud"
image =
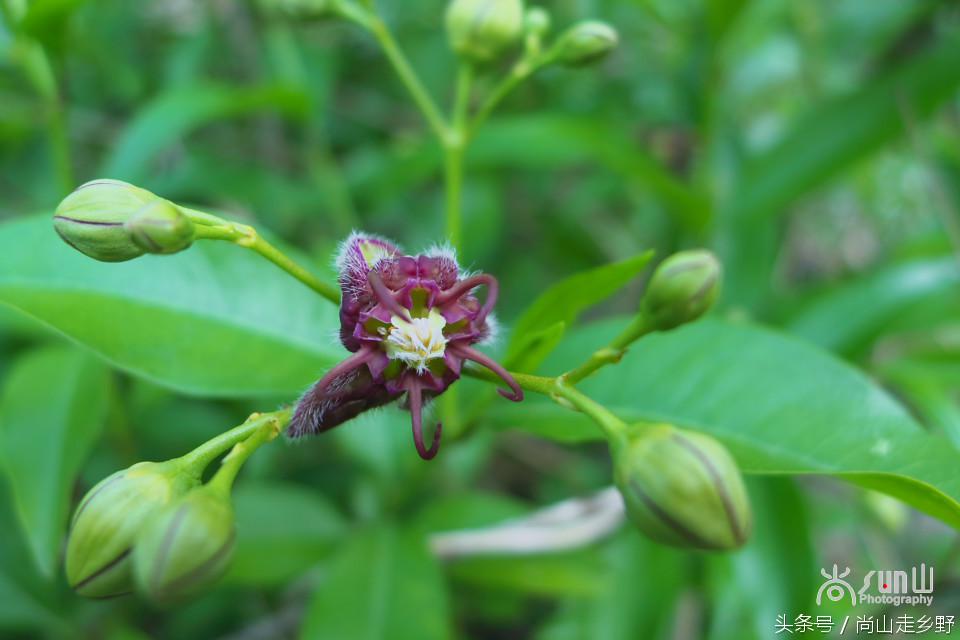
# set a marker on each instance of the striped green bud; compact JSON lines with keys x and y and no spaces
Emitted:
{"x":682,"y":488}
{"x":160,"y":227}
{"x":482,"y":30}
{"x":186,"y":546}
{"x":114,"y":221}
{"x":107,"y":522}
{"x":683,"y":288}
{"x":585,"y":43}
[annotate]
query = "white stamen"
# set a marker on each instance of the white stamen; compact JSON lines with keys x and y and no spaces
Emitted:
{"x":417,"y":342}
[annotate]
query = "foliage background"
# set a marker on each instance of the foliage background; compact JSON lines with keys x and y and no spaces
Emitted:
{"x":812,"y":143}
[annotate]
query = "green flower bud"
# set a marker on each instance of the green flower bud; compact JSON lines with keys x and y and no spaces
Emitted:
{"x":113,"y":221}
{"x":160,"y":227}
{"x":107,"y":522}
{"x":481,"y":30}
{"x":186,"y":546}
{"x":682,"y":289}
{"x":537,"y":22}
{"x":91,"y":219}
{"x":682,"y":488}
{"x":585,"y":43}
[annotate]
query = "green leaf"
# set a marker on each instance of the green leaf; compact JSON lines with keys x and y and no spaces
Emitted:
{"x":539,"y":141}
{"x":564,"y":301}
{"x":469,"y":510}
{"x":27,"y":599}
{"x":45,"y":19}
{"x":175,"y":114}
{"x":282,"y":531}
{"x":781,"y":405}
{"x":838,"y":132}
{"x":849,"y":316}
{"x":52,"y":410}
{"x":624,"y":607}
{"x":575,"y":573}
{"x":385,"y":585}
{"x":535,"y":347}
{"x":549,"y":140}
{"x":775,"y":572}
{"x":214,"y":320}
{"x":819,"y":146}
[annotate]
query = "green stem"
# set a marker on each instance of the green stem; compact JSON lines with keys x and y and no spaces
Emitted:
{"x":246,"y":236}
{"x":60,"y":146}
{"x":407,"y":75}
{"x":206,"y":453}
{"x":564,"y":395}
{"x":523,"y":69}
{"x":233,"y":462}
{"x":613,"y":352}
{"x":39,"y":70}
{"x":454,"y":147}
{"x":453,"y":176}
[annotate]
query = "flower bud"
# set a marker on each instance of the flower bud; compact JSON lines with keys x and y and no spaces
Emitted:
{"x":186,"y":546}
{"x":481,"y":30}
{"x":91,"y":219}
{"x":682,"y":289}
{"x":683,"y":489}
{"x":160,"y":227}
{"x":585,"y":43}
{"x":107,"y":522}
{"x":113,"y":221}
{"x":536,"y":22}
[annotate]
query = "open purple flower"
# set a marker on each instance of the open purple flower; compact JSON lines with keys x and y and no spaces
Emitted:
{"x":410,"y":322}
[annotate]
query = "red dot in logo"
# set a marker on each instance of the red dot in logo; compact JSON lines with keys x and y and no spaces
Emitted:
{"x":884,"y":585}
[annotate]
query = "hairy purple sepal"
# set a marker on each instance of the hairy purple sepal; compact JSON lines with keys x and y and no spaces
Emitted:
{"x":410,"y":323}
{"x":344,"y":398}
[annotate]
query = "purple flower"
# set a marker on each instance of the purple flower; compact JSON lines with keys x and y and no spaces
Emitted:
{"x":410,"y":322}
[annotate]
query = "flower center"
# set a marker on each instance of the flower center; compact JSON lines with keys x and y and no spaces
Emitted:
{"x":418,"y":341}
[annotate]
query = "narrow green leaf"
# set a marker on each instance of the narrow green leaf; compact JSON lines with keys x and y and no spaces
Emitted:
{"x":575,"y":573}
{"x":385,"y":585}
{"x":830,"y":138}
{"x":838,"y":132}
{"x":45,"y":19}
{"x":52,"y":410}
{"x":564,"y":301}
{"x":282,"y":531}
{"x":174,"y":114}
{"x":535,"y":347}
{"x":547,"y":140}
{"x":539,"y":141}
{"x":781,"y":405}
{"x":469,"y":510}
{"x":214,"y":320}
{"x":27,"y":599}
{"x":850,"y":315}
{"x":776,"y":571}
{"x":625,"y":607}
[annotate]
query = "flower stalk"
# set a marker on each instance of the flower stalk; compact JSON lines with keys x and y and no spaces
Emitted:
{"x":274,"y":421}
{"x":246,"y":236}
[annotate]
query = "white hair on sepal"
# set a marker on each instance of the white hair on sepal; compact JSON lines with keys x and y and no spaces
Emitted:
{"x":342,"y":255}
{"x":346,"y":259}
{"x":493,"y":330}
{"x":332,"y":336}
{"x":442,"y":250}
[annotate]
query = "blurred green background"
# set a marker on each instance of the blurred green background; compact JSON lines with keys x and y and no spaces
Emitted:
{"x":814,"y":144}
